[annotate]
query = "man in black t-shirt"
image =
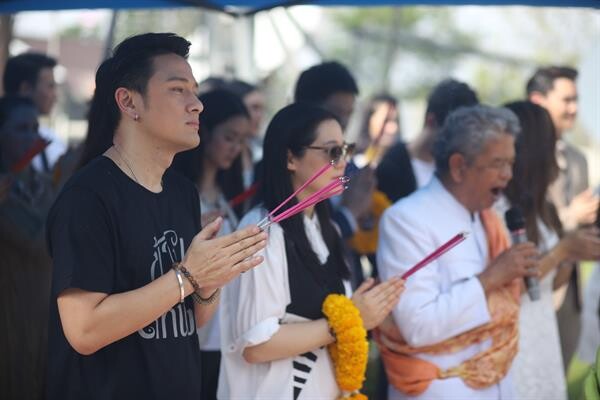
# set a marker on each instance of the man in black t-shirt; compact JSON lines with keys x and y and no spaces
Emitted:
{"x":132,"y":276}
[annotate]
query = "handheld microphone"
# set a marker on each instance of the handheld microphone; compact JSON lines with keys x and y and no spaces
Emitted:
{"x":516,"y":225}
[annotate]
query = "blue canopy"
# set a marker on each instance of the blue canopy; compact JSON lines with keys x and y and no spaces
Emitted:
{"x":251,"y":6}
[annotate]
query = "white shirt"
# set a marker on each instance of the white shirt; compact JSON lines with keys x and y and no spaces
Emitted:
{"x":423,"y":171}
{"x":444,"y":299}
{"x":252,"y":308}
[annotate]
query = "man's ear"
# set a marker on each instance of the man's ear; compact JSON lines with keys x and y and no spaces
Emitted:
{"x":457,"y":165}
{"x":291,"y":162}
{"x":538,"y":98}
{"x":126,"y":102}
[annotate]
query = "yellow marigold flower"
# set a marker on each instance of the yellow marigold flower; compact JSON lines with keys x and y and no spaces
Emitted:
{"x":350,"y":351}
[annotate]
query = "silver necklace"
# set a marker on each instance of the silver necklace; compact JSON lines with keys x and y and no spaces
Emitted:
{"x":127,"y":164}
{"x":131,"y":170}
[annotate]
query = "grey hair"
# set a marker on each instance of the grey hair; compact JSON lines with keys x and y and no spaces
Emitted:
{"x":468,"y":129}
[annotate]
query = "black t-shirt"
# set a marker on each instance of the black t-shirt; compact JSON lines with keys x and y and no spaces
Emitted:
{"x":108,"y":234}
{"x":395,"y":175}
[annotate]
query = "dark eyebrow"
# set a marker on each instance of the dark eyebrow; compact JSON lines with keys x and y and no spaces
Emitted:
{"x":181,"y":79}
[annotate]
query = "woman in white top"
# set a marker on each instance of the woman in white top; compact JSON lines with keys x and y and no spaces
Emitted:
{"x":213,"y":166}
{"x":274,"y":334}
{"x":538,"y":367}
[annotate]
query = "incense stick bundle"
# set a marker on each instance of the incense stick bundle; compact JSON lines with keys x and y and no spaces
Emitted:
{"x":333,"y":188}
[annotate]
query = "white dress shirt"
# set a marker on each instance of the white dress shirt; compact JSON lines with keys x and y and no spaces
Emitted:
{"x":444,"y":299}
{"x":423,"y":171}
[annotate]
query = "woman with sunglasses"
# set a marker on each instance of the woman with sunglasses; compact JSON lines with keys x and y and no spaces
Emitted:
{"x":274,"y":331}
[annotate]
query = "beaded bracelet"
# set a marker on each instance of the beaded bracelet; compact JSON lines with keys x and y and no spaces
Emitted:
{"x":209,"y":300}
{"x":197,"y":298}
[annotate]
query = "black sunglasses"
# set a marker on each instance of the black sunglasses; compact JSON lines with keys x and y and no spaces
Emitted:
{"x":337,"y":153}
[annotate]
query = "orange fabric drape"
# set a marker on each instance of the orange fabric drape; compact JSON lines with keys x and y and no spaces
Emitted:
{"x":413,"y":376}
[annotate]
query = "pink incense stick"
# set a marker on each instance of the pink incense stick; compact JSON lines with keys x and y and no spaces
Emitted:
{"x":459,"y":237}
{"x":307,"y":203}
{"x":301,"y":188}
{"x":324,"y":190}
{"x":333,"y":188}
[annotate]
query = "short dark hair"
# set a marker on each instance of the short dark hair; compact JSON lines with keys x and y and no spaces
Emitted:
{"x":25,"y":68}
{"x":543,"y":79}
{"x":211,"y":83}
{"x":447,"y":96}
{"x":131,"y":66}
{"x":319,"y":82}
{"x":241,"y":88}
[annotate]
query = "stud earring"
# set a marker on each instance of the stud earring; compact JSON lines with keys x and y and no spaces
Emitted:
{"x":136,"y":117}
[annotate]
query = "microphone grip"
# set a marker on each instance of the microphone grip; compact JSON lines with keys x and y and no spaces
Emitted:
{"x":531,"y":283}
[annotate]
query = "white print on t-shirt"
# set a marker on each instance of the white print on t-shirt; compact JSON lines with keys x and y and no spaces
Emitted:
{"x":178,"y":321}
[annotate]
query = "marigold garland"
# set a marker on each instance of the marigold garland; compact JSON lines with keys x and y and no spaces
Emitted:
{"x":351,"y":349}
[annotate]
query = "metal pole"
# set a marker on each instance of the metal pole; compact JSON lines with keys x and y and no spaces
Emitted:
{"x":110,"y":37}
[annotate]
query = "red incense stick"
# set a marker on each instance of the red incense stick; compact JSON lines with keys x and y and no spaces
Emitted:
{"x":459,"y":237}
{"x":37,"y":147}
{"x":242,"y":197}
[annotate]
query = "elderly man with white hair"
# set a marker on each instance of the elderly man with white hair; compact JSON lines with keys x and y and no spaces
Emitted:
{"x":454,"y":332}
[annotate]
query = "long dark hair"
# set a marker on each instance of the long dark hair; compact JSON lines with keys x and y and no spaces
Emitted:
{"x":535,"y":168}
{"x":364,"y":137}
{"x":219,"y":106}
{"x":291,"y":130}
{"x":131,"y":66}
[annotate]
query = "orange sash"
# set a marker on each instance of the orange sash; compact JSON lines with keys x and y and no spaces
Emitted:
{"x":413,"y":376}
